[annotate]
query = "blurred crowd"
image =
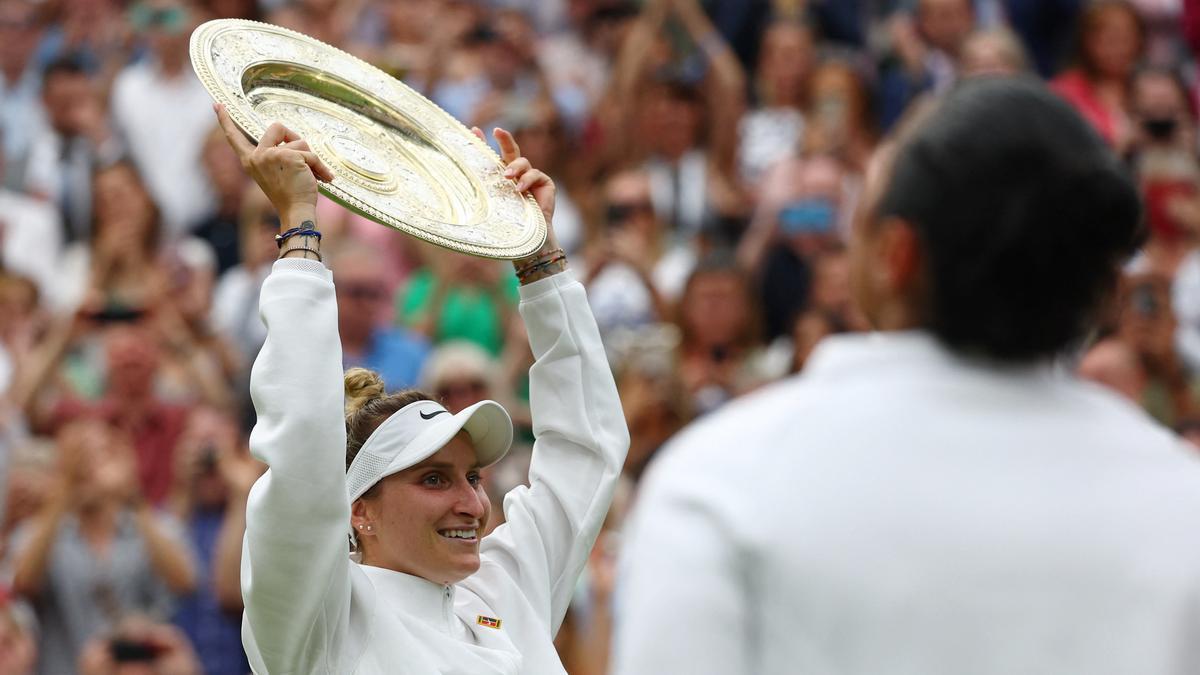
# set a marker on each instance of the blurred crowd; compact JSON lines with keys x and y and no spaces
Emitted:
{"x":708,"y":155}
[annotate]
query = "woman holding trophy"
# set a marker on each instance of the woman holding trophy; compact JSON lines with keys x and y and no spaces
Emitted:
{"x":419,"y":590}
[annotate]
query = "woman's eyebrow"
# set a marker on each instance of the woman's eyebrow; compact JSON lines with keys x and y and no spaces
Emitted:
{"x":445,"y":466}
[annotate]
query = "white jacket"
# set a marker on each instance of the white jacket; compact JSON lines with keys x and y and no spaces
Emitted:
{"x":309,"y":609}
{"x":898,"y":509}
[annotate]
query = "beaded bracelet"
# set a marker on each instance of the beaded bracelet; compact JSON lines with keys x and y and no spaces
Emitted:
{"x":527,"y":273}
{"x":544,"y":257}
{"x":306,"y":229}
{"x":283,"y":254}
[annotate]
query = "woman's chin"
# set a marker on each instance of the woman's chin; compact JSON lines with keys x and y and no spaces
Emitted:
{"x":461,"y":566}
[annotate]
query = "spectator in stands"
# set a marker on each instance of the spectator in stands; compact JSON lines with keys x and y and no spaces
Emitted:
{"x":1147,"y":325}
{"x":18,"y":638}
{"x":460,"y":374}
{"x":140,"y":645}
{"x":774,"y":127}
{"x":656,"y":406}
{"x":1047,"y":29}
{"x":1111,"y":40}
{"x":21,"y":115}
{"x":683,"y":128}
{"x":77,"y":142}
{"x":996,"y":51}
{"x":221,"y":229}
{"x":31,"y":473}
{"x":159,"y":103}
{"x":96,"y":552}
{"x":120,"y":261}
{"x":235,"y":299}
{"x":719,"y":334}
{"x":457,"y":297}
{"x":129,"y":401}
{"x":397,"y":354}
{"x":636,"y":269}
{"x":504,"y":73}
{"x":927,"y":48}
{"x":805,"y":208}
{"x":840,"y":121}
{"x":213,"y":476}
{"x":94,"y":32}
{"x":1163,"y":155}
{"x":198,"y":363}
{"x":539,"y":130}
{"x":30,"y":236}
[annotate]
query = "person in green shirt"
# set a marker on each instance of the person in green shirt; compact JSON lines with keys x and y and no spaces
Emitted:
{"x":459,"y":298}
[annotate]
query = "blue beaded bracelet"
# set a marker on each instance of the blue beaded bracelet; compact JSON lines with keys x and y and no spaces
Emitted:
{"x":306,"y":230}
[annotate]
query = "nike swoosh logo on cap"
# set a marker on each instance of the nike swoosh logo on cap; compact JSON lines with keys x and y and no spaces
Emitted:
{"x":434,"y":414}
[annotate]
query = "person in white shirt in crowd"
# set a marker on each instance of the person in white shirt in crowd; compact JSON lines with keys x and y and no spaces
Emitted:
{"x":424,"y":593}
{"x":940,"y":496}
{"x":77,"y":142}
{"x":21,"y":115}
{"x":30,"y":236}
{"x":159,"y":103}
{"x":635,"y":268}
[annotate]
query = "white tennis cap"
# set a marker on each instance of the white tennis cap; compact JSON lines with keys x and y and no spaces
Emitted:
{"x":418,"y":430}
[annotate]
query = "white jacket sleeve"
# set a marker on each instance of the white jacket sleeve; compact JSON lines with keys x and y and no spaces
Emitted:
{"x":295,"y":576}
{"x":580,"y":446}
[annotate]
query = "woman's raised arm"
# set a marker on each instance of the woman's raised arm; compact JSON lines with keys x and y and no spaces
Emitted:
{"x":581,"y":437}
{"x":295,"y":579}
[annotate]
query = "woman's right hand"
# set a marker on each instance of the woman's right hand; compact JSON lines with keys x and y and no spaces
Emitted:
{"x":283,"y":166}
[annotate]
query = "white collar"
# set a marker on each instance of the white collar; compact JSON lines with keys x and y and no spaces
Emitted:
{"x":871,"y":353}
{"x":423,"y":600}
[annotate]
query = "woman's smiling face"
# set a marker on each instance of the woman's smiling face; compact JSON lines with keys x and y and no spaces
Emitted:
{"x":427,"y":519}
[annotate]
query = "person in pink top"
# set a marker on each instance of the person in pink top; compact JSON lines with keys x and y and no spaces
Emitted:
{"x":1111,"y":40}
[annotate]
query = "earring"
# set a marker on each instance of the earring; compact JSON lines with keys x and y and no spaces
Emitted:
{"x":370,"y":528}
{"x":360,"y":527}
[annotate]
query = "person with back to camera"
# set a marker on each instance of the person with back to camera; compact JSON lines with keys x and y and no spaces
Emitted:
{"x":942,"y":496}
{"x":423,"y":594}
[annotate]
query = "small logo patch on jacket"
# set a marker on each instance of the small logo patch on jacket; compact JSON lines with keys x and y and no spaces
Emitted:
{"x":488,"y":621}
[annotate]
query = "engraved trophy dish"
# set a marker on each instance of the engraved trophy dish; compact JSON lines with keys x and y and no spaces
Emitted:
{"x":399,"y":159}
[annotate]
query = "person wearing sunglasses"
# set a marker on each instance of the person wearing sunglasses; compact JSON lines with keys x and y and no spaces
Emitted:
{"x":395,"y":479}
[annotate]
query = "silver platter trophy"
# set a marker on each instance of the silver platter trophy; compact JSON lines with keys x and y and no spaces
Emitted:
{"x":399,"y":159}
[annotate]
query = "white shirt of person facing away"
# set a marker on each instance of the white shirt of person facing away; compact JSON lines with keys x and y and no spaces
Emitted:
{"x":941,"y":496}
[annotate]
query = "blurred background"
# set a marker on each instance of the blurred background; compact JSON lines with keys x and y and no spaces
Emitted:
{"x":709,"y":156}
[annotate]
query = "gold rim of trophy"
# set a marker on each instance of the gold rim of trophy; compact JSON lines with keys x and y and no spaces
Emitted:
{"x":399,"y":159}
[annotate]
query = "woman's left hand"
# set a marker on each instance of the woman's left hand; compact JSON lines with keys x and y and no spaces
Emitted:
{"x":528,"y":179}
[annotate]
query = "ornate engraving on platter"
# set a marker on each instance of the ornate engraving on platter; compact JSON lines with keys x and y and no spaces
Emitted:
{"x":399,"y":159}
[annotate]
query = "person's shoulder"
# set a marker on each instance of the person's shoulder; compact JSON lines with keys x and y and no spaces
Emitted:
{"x":1121,"y":418}
{"x":23,"y":208}
{"x":1070,"y":83}
{"x":131,"y":77}
{"x":743,"y":427}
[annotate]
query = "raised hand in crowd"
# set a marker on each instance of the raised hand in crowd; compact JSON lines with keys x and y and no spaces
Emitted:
{"x":96,"y":482}
{"x":140,"y":645}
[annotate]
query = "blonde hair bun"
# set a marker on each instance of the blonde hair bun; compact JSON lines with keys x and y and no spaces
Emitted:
{"x":362,"y":387}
